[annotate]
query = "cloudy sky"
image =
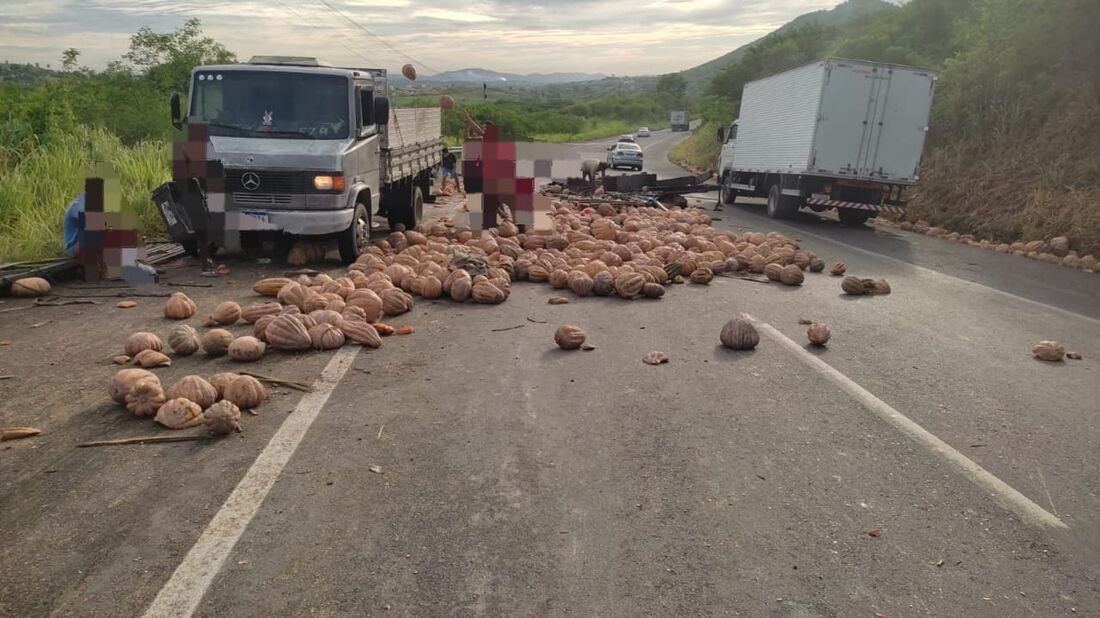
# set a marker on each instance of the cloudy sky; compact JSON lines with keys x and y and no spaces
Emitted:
{"x":623,"y":37}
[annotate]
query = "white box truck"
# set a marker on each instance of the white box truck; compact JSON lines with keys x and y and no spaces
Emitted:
{"x":843,"y":134}
{"x":301,"y":148}
{"x":678,"y":120}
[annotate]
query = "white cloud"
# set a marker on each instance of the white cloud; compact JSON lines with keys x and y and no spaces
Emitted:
{"x":649,"y":37}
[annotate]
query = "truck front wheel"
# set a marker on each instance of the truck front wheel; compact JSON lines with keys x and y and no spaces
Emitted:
{"x":728,"y":194}
{"x":354,"y":240}
{"x":781,"y":206}
{"x":851,"y":216}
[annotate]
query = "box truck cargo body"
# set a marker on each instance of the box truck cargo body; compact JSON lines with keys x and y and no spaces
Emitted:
{"x":678,"y":120}
{"x":837,"y":133}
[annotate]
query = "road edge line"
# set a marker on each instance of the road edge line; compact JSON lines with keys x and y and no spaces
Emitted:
{"x":1002,"y":493}
{"x":925,"y":269}
{"x":185,"y":589}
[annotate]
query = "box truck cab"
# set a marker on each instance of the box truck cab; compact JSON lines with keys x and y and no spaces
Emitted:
{"x":836,"y":134}
{"x":302,"y":148}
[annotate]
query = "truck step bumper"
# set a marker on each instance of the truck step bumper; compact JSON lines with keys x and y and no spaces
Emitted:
{"x":893,"y":210}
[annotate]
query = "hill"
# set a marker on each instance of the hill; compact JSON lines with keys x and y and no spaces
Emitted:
{"x":22,"y":74}
{"x":698,"y":78}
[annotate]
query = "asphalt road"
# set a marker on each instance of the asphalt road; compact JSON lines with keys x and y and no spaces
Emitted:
{"x":472,"y":469}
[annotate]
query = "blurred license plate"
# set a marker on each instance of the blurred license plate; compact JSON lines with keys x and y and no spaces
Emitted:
{"x":261,"y":215}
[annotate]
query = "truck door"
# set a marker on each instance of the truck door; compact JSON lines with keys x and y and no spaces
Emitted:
{"x":904,"y":97}
{"x":844,"y":120}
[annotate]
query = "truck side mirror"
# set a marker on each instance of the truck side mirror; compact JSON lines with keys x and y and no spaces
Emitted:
{"x":721,"y":134}
{"x":381,"y":110}
{"x":177,"y":115}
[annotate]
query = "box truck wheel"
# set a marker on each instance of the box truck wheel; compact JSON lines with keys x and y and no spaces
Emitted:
{"x":728,"y":194}
{"x":355,"y":239}
{"x":414,"y":212}
{"x":781,"y":206}
{"x":851,"y":216}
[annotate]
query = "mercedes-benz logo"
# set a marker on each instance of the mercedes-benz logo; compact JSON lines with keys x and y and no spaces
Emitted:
{"x":250,"y":181}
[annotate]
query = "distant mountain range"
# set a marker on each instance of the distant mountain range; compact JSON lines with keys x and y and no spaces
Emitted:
{"x":496,"y":78}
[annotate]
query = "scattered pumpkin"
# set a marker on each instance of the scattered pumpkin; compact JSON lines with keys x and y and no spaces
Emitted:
{"x":362,"y":333}
{"x":702,"y":275}
{"x":877,"y":286}
{"x":122,"y":359}
{"x":221,"y":381}
{"x":817,"y":265}
{"x":179,"y":413}
{"x":569,"y":337}
{"x":286,"y":332}
{"x":247,"y":349}
{"x":226,"y":314}
{"x":774,"y":271}
{"x":215,"y":342}
{"x":487,"y":293}
{"x":147,"y":359}
{"x":838,"y":269}
{"x":30,"y":287}
{"x":124,"y":380}
{"x":326,"y":337}
{"x":146,"y":397}
{"x":255,"y":311}
{"x":1050,"y":351}
{"x":142,"y":341}
{"x":222,"y":418}
{"x":126,"y":304}
{"x":818,"y":333}
{"x":179,"y":307}
{"x":791,"y":275}
{"x":655,"y":358}
{"x":739,"y":334}
{"x":653,"y":290}
{"x":245,"y":392}
{"x":193,"y":388}
{"x":385,"y":330}
{"x":405,"y":329}
{"x":270,"y":287}
{"x":853,"y":286}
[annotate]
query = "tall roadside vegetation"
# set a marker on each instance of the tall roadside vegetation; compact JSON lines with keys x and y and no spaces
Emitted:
{"x":59,"y":129}
{"x":1016,"y":119}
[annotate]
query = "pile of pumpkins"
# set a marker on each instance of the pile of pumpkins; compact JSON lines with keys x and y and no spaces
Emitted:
{"x":191,"y":402}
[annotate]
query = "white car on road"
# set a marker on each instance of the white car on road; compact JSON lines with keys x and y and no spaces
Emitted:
{"x":643,"y":132}
{"x":624,"y":154}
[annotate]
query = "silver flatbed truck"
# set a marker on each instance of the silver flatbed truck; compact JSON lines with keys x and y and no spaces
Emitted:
{"x":304,"y":149}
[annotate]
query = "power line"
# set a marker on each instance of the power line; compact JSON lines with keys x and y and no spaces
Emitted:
{"x":322,"y":29}
{"x":375,"y":36}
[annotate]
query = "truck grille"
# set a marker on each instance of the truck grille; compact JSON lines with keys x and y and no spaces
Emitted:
{"x":270,"y":181}
{"x":262,"y":199}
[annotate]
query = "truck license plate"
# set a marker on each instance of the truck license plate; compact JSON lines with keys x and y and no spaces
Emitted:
{"x":257,"y":214}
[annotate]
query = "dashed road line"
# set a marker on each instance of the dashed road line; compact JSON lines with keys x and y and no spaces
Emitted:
{"x":1001,"y":493}
{"x":183,"y":592}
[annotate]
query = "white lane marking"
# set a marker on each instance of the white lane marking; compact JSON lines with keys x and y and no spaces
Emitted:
{"x":1002,"y":493}
{"x":929,"y":271}
{"x":183,"y":592}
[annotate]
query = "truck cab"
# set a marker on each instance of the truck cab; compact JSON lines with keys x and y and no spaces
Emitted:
{"x":302,"y":150}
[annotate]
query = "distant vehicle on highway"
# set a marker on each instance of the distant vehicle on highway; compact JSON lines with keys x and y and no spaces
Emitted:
{"x":678,"y":120}
{"x":643,"y":132}
{"x":836,"y":133}
{"x":627,"y":138}
{"x":625,"y":154}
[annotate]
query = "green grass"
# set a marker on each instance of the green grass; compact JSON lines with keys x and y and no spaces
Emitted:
{"x":594,"y":130}
{"x":700,"y":150}
{"x":35,"y":191}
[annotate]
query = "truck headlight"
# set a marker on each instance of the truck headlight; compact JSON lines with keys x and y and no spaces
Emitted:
{"x":328,"y":183}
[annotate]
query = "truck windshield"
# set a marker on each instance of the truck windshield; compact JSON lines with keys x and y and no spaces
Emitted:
{"x":271,"y":104}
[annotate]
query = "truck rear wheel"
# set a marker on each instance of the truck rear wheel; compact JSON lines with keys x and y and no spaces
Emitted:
{"x":354,"y":240}
{"x":781,"y":206}
{"x":851,"y":216}
{"x":414,"y":212}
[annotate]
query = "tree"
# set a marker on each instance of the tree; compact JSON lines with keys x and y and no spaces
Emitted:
{"x":672,"y":83}
{"x":68,"y":59}
{"x":167,"y":58}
